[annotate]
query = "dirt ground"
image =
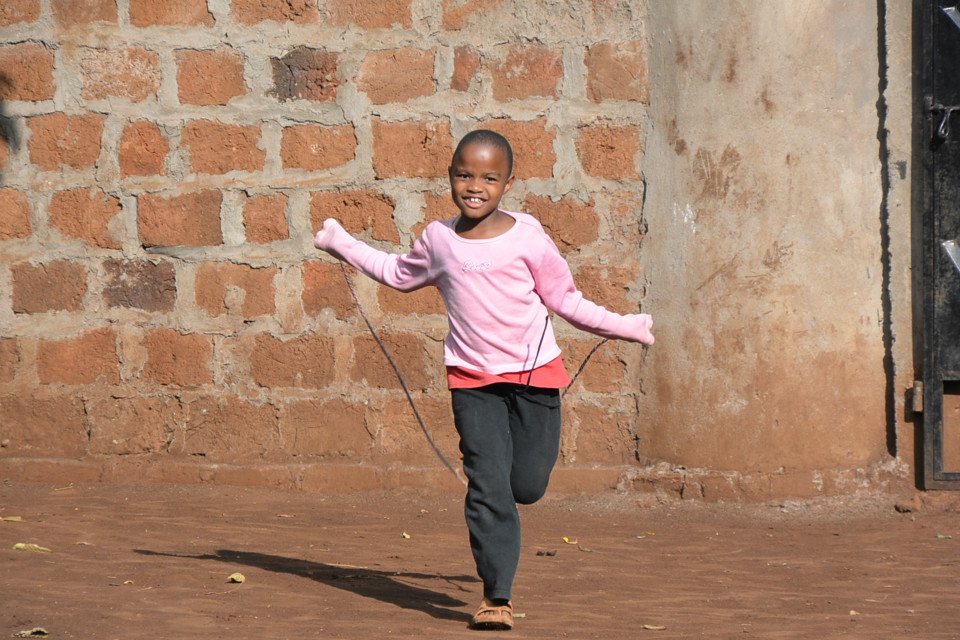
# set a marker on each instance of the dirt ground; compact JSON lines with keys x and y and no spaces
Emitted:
{"x":153,"y":561}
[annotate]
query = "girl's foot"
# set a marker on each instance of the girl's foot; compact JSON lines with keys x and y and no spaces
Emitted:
{"x":493,"y":615}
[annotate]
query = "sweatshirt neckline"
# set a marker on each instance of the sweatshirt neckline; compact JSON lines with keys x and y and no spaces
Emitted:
{"x":453,"y":230}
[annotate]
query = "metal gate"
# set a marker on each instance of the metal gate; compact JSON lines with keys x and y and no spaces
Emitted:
{"x":940,"y":36}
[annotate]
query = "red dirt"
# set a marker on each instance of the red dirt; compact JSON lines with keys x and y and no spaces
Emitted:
{"x":152,"y":561}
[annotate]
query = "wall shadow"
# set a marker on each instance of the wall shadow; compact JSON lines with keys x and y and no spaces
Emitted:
{"x":8,"y":132}
{"x":385,"y":586}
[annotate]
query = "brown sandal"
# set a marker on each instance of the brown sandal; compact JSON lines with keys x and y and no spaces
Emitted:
{"x":491,"y":617}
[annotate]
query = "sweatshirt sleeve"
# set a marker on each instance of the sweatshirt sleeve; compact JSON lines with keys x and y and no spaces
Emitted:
{"x":555,"y":286}
{"x":405,"y":272}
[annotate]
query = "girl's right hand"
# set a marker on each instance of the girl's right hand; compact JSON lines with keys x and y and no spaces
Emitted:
{"x":324,"y":237}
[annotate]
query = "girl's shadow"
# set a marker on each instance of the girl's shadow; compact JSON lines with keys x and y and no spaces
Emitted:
{"x":385,"y":586}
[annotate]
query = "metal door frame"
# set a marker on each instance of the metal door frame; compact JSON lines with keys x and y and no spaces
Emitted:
{"x":939,"y":31}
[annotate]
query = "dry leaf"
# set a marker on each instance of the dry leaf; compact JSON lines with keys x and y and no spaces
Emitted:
{"x":29,"y":546}
{"x":36,"y":632}
{"x":12,"y":519}
{"x":654,"y":627}
{"x":236,"y":577}
{"x":569,"y":541}
{"x":405,"y":535}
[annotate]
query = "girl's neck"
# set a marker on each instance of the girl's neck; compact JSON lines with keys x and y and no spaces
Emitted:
{"x":494,"y":224}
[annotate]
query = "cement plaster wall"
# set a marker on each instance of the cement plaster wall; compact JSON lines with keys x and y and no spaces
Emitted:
{"x":765,"y":203}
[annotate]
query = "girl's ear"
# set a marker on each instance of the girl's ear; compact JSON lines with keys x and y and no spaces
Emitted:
{"x":509,"y":183}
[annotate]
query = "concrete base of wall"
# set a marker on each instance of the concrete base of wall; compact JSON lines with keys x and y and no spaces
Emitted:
{"x":653,"y":484}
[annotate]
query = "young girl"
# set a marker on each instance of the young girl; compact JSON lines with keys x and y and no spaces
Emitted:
{"x":500,"y":275}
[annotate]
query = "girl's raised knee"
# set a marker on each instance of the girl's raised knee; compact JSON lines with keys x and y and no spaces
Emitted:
{"x":529,"y":496}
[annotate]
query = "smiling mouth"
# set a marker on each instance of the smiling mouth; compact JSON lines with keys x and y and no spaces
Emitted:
{"x":474,"y":202}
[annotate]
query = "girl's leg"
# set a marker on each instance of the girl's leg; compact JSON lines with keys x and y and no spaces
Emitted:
{"x":510,"y":439}
{"x":535,"y":432}
{"x":483,"y":422}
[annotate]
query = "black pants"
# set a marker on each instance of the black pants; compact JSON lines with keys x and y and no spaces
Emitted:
{"x":510,"y":439}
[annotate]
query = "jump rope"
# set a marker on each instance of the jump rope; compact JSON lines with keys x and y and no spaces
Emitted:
{"x":403,"y":383}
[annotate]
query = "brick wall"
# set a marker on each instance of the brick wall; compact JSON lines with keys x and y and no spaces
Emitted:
{"x":163,"y":166}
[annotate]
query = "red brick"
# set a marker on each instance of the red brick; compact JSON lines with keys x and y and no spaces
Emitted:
{"x":527,"y":71}
{"x":457,"y":14}
{"x":85,"y":214}
{"x":219,"y":148}
{"x":306,"y":362}
{"x":132,"y":73}
{"x":325,"y":288}
{"x":604,"y":372}
{"x":572,"y":225}
{"x":617,"y":71}
{"x":87,"y":359}
{"x":305,"y":74}
{"x":608,"y":286}
{"x":265,"y":219}
{"x":466,"y":63}
{"x":140,"y":284}
{"x":58,"y":139}
{"x":69,"y":13}
{"x":14,"y":214}
{"x":357,"y":211}
{"x":339,"y":478}
{"x":143,"y":150}
{"x":425,"y":301}
{"x":317,"y":148}
{"x":333,"y":428}
{"x":226,"y":428}
{"x":133,"y":426}
{"x":251,"y":12}
{"x":235,"y":289}
{"x":604,"y":437}
{"x":371,"y":14}
{"x":401,"y":438}
{"x":417,"y":361}
{"x":267,"y":470}
{"x":43,"y":427}
{"x":27,"y":72}
{"x":4,"y":152}
{"x":592,"y":481}
{"x":19,"y":11}
{"x":397,"y":75}
{"x":626,"y":208}
{"x":177,"y":359}
{"x":9,"y":359}
{"x":438,"y":207}
{"x":192,"y":219}
{"x":411,"y":149}
{"x":210,"y":77}
{"x":608,"y":151}
{"x":533,"y":154}
{"x":59,"y":285}
{"x":148,"y":13}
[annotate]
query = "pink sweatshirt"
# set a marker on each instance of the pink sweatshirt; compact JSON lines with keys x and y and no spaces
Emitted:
{"x":497,"y":291}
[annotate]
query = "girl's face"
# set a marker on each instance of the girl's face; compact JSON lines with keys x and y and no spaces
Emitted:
{"x":479,"y":177}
